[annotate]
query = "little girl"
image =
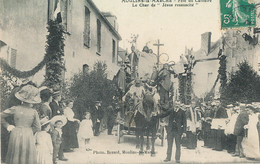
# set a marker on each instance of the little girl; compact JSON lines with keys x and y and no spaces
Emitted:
{"x":85,"y":132}
{"x":44,"y":144}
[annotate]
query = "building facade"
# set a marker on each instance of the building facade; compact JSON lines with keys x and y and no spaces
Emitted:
{"x":90,"y":35}
{"x":205,"y":70}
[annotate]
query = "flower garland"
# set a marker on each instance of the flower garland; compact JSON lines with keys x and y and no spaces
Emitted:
{"x":55,"y":66}
{"x":53,"y":58}
{"x":181,"y":88}
{"x":21,"y":74}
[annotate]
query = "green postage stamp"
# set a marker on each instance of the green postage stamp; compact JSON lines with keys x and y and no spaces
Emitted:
{"x":237,"y":13}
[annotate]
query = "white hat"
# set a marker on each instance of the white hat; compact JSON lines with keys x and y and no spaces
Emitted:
{"x":59,"y":118}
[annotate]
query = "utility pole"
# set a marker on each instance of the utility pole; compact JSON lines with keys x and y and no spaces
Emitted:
{"x":158,"y":51}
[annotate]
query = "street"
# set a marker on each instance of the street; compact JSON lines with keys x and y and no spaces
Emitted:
{"x":105,"y":149}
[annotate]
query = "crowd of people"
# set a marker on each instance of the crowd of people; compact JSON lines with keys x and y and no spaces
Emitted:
{"x":42,"y":126}
{"x":39,"y":127}
{"x":235,"y":127}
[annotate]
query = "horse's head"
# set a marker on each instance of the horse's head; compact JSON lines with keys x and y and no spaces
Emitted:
{"x":148,"y":105}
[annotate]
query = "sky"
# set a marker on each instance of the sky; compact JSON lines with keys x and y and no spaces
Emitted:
{"x":176,"y":27}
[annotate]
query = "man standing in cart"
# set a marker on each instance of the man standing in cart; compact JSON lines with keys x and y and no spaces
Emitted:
{"x":165,"y":86}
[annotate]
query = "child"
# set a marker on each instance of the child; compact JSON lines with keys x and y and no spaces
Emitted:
{"x":56,"y":135}
{"x":258,"y":129}
{"x":44,"y":147}
{"x":85,"y":132}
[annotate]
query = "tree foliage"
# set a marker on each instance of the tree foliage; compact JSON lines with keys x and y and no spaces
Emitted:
{"x":244,"y":85}
{"x":91,"y":87}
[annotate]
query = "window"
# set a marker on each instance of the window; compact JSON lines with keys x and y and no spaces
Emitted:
{"x":86,"y":34}
{"x":113,"y":50}
{"x":98,"y":36}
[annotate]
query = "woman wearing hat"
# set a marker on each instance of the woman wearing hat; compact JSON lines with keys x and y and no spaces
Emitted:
{"x":21,"y":147}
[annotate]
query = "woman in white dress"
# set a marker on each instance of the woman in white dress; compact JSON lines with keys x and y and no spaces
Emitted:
{"x":250,"y":143}
{"x":44,"y":148}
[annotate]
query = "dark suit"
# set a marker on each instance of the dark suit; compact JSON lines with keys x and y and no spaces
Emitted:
{"x":56,"y":142}
{"x":176,"y":127}
{"x":97,"y":114}
{"x":56,"y":109}
{"x":45,"y":111}
{"x":111,"y":116}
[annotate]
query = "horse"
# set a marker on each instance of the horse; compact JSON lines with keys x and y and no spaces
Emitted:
{"x":146,"y":123}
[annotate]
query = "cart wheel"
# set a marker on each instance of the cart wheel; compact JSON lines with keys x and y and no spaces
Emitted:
{"x":162,"y":137}
{"x":118,"y":133}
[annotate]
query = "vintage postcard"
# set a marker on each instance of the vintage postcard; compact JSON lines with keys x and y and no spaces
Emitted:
{"x":129,"y":81}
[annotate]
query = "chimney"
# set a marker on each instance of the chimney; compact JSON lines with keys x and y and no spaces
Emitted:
{"x":206,"y":42}
{"x":112,"y":19}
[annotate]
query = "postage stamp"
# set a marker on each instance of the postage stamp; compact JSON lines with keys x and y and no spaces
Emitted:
{"x":237,"y":13}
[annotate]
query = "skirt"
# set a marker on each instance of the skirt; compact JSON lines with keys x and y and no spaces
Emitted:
{"x":21,"y":147}
{"x":70,"y":139}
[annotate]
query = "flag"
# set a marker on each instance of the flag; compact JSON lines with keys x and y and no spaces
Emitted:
{"x":57,"y":11}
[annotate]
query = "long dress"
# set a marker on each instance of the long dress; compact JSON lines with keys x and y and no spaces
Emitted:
{"x":44,"y":148}
{"x":250,"y":143}
{"x":21,"y":147}
{"x":70,"y":139}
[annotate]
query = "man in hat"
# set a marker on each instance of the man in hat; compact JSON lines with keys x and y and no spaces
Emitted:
{"x":176,"y":130}
{"x":239,"y":131}
{"x":97,"y":114}
{"x":57,"y":110}
{"x":111,"y":116}
{"x":57,"y":140}
{"x":55,"y":107}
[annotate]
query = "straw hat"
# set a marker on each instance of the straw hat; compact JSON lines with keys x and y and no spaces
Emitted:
{"x":59,"y":118}
{"x":56,"y":93}
{"x":213,"y":103}
{"x":29,"y":94}
{"x":44,"y":121}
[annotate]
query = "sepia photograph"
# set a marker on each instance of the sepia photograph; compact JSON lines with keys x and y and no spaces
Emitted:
{"x":129,"y":81}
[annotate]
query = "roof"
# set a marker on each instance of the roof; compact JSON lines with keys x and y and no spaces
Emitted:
{"x":201,"y":55}
{"x":112,"y":29}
